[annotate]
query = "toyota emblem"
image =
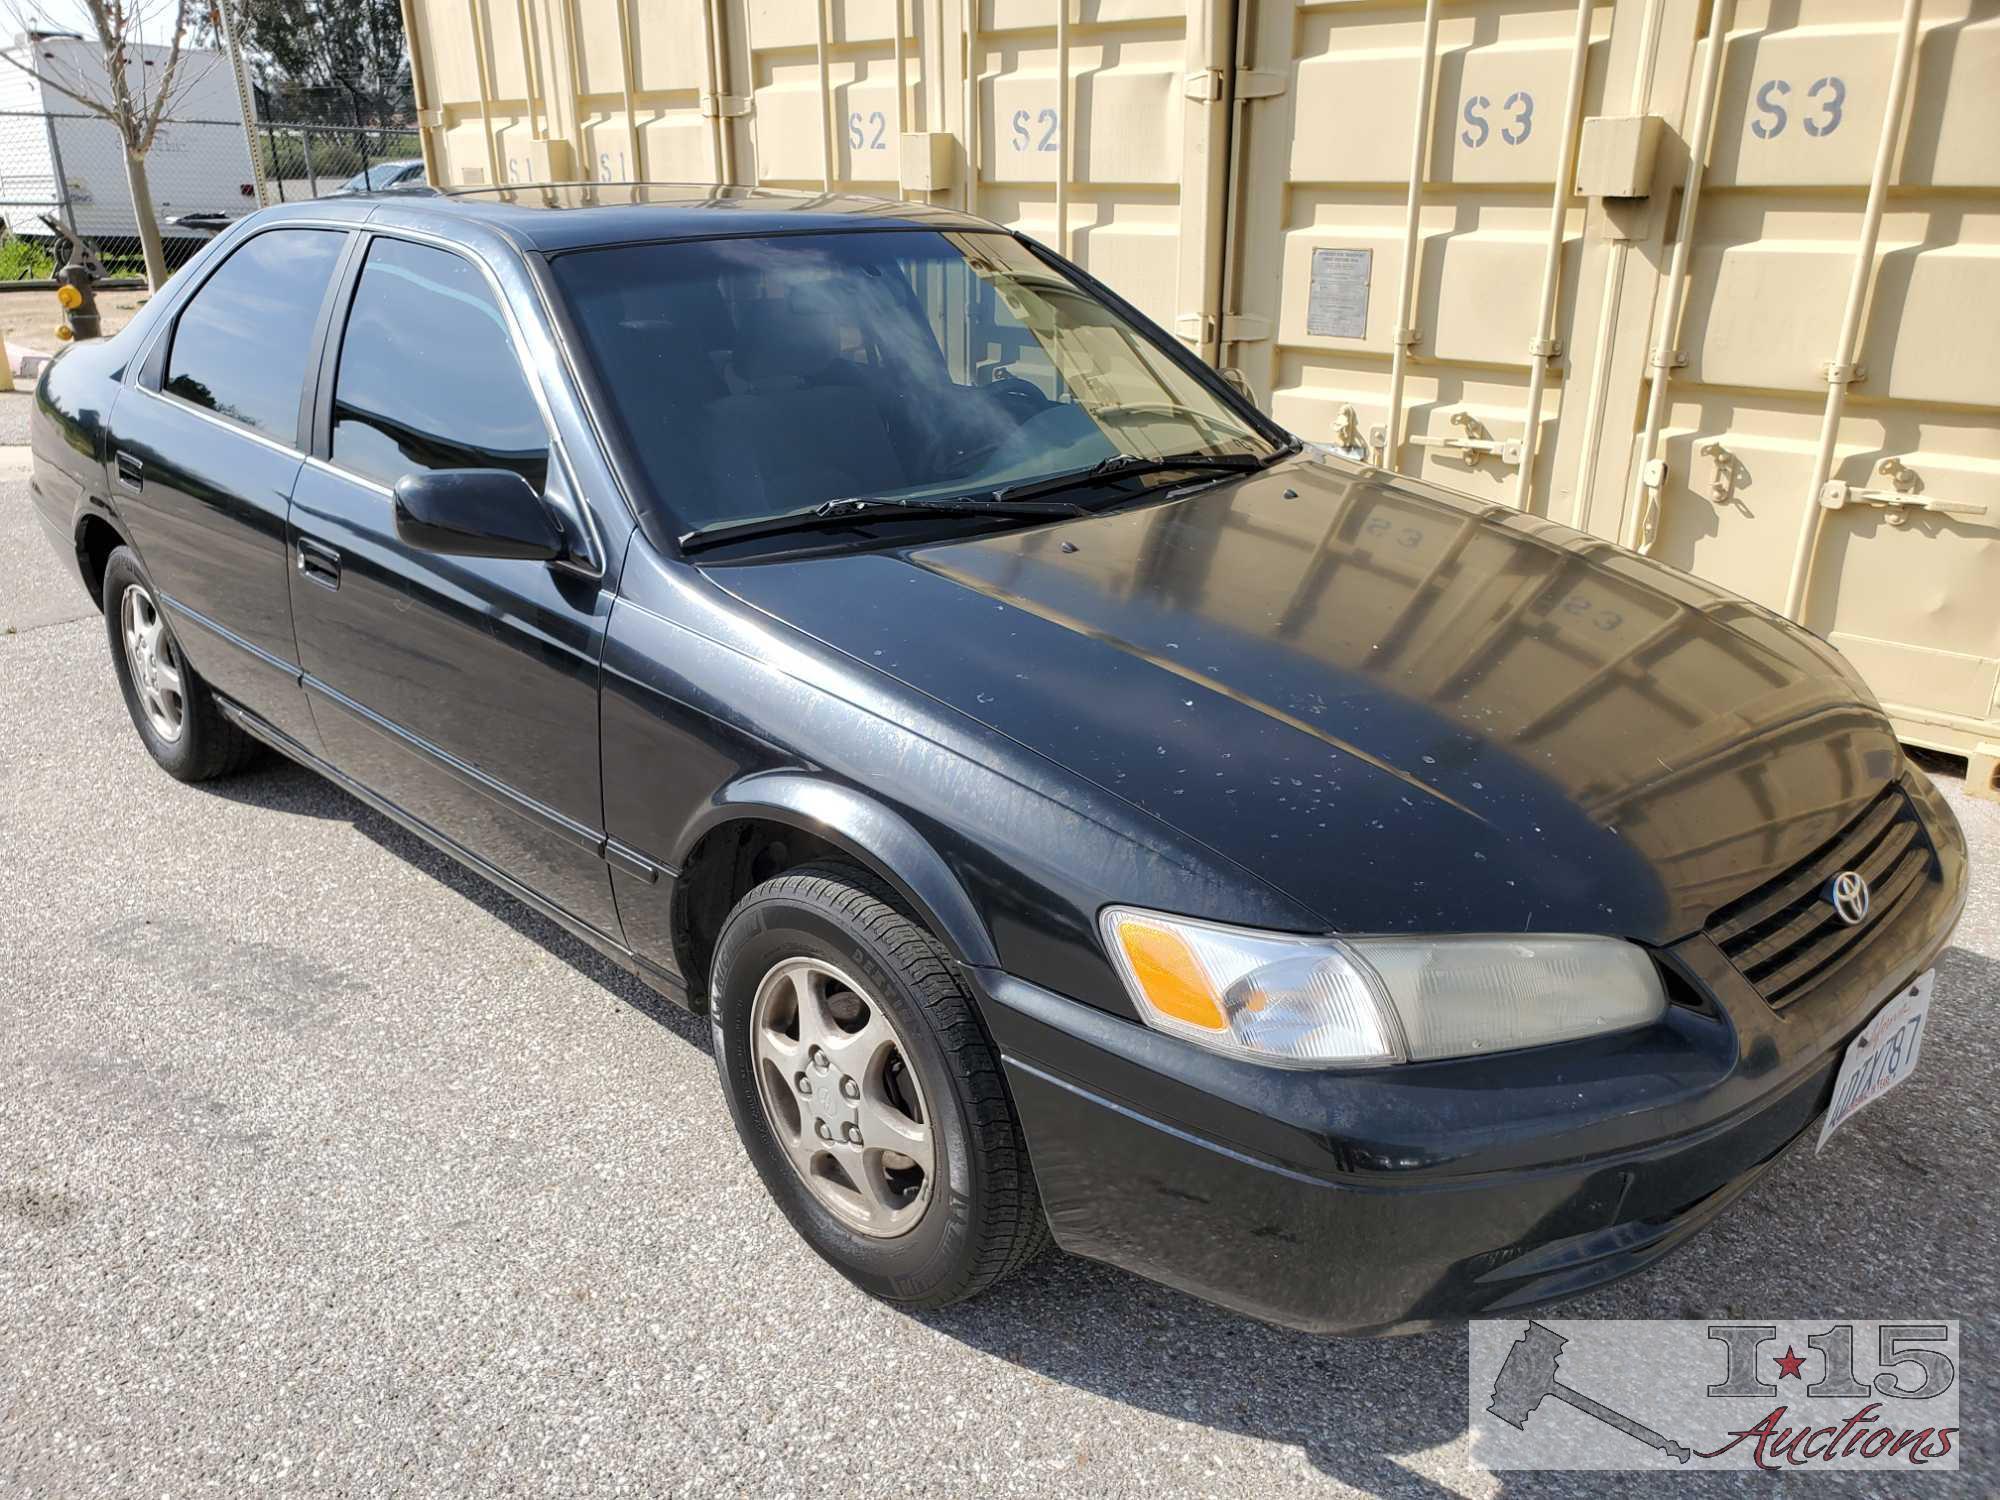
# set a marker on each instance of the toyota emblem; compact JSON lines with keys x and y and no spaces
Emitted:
{"x":1849,"y":895}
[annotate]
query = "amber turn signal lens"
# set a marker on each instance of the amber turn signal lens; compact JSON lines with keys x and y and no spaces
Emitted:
{"x":1166,"y":969}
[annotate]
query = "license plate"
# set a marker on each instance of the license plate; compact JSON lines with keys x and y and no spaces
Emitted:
{"x":1882,"y":1056}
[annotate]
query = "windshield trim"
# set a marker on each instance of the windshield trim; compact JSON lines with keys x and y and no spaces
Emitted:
{"x":662,"y":523}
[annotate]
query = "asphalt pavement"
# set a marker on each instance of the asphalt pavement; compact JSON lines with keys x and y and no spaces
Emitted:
{"x":326,"y":1168}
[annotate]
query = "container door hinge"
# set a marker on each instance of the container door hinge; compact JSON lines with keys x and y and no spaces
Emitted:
{"x":1245,"y":328}
{"x":1204,"y":87}
{"x":1252,"y":83}
{"x":430,"y":119}
{"x":724,"y":106}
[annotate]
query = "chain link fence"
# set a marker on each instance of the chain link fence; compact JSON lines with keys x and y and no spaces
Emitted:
{"x":62,"y":176}
{"x":310,"y":161}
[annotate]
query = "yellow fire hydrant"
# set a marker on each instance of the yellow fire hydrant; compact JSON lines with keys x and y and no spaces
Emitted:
{"x":77,"y":296}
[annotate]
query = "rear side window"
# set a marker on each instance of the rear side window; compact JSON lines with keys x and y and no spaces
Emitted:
{"x":428,"y":377}
{"x":241,"y":344}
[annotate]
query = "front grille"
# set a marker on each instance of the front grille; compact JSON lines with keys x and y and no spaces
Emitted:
{"x":1784,"y":936}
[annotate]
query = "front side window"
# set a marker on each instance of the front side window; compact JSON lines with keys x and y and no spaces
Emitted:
{"x":240,"y":346}
{"x":756,"y":377}
{"x":428,"y":377}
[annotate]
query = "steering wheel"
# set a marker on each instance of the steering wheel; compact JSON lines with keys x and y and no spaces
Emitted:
{"x":1024,"y":395}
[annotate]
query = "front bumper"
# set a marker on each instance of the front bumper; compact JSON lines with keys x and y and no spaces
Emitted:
{"x":1389,"y":1199}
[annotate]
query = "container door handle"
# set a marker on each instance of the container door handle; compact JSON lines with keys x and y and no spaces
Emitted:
{"x":1837,"y":494}
{"x":319,"y":562}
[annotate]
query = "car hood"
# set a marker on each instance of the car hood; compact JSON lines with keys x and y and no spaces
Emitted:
{"x":1404,"y":709}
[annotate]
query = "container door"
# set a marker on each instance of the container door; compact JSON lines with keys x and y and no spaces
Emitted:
{"x":1103,"y":134}
{"x":567,"y":90}
{"x":1322,"y":222}
{"x":1899,"y":564}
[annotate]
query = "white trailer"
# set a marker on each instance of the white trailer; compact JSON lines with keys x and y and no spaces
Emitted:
{"x":59,"y":160}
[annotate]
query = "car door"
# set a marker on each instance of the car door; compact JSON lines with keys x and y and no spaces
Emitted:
{"x":205,"y":447}
{"x":461,"y":689}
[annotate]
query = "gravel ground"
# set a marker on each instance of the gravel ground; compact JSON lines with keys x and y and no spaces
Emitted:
{"x":14,"y":408}
{"x":324,"y":1167}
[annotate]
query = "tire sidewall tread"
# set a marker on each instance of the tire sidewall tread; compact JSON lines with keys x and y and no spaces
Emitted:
{"x":210,"y":744}
{"x":985,"y":1218}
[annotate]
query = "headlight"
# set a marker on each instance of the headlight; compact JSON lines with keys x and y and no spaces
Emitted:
{"x":1314,"y":1002}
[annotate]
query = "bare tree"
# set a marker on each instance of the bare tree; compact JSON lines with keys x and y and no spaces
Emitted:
{"x":123,"y":85}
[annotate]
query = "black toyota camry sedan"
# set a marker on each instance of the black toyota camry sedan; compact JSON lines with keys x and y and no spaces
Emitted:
{"x":1081,"y":809}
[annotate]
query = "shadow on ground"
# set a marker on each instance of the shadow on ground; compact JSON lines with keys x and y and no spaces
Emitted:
{"x":1350,"y":1406}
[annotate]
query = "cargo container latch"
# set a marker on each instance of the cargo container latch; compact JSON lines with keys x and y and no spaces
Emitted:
{"x":1836,"y":494}
{"x":1478,"y":443}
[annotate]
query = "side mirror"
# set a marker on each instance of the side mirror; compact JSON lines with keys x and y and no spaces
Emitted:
{"x":476,"y":513}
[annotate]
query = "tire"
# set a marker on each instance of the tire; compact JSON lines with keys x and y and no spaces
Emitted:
{"x":953,"y":1227}
{"x":183,"y":729}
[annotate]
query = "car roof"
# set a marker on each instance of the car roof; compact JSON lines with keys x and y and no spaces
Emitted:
{"x":558,"y":216}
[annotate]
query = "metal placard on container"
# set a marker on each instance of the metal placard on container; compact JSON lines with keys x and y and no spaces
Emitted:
{"x":1337,"y":302}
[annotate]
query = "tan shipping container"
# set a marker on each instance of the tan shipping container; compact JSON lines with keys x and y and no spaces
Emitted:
{"x":1719,"y":281}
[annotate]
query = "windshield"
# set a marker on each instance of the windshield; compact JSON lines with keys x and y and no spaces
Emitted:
{"x":760,"y":377}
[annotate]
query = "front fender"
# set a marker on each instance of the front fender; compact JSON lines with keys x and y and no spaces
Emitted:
{"x":875,"y":835}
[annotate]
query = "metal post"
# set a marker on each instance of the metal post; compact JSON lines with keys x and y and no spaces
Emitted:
{"x":1542,"y":351}
{"x":306,"y":144}
{"x":419,"y":97}
{"x":1406,"y":292}
{"x":1062,"y":127}
{"x":825,"y":100}
{"x":902,"y":96}
{"x":246,"y":101}
{"x":628,"y":77}
{"x":1660,"y":360}
{"x":718,"y":122}
{"x":1840,"y":370}
{"x":497,"y":177}
{"x":538,"y":122}
{"x":1613,"y":281}
{"x":718,"y":47}
{"x":970,"y":18}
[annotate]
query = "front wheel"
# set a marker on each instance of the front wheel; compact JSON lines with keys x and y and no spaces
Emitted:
{"x":866,"y":1092}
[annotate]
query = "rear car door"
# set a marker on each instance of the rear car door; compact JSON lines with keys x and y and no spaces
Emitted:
{"x":204,"y":450}
{"x":461,"y":689}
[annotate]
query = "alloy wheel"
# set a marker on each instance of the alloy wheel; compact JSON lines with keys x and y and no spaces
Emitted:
{"x":842,"y":1098}
{"x":155,"y":663}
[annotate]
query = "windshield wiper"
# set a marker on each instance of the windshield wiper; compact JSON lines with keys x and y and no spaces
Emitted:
{"x":848,"y":510}
{"x":1122,"y":465}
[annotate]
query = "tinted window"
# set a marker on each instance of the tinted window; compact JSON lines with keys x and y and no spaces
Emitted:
{"x":428,"y":375}
{"x":241,"y":344}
